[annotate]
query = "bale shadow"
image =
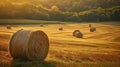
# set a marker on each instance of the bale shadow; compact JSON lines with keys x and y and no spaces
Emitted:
{"x":26,"y":63}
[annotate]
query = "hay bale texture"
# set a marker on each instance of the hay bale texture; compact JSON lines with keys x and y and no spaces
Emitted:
{"x":31,"y":45}
{"x":41,"y":25}
{"x":8,"y":27}
{"x":60,"y":28}
{"x":90,"y":25}
{"x":77,"y":34}
{"x":92,"y":29}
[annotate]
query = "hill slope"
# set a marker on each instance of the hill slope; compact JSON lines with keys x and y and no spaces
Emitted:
{"x":78,"y":10}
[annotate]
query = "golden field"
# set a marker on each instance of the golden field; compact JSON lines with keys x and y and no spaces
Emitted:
{"x":95,"y":49}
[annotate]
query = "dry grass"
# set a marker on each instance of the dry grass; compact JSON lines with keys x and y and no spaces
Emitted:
{"x":97,"y":49}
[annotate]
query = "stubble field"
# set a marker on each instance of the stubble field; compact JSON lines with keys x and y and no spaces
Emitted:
{"x":95,"y":49}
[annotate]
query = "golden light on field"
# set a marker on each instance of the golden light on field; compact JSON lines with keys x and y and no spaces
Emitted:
{"x":99,"y":46}
{"x":81,"y":33}
{"x":102,"y":43}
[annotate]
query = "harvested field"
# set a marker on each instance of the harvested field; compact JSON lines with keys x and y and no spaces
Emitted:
{"x":98,"y":49}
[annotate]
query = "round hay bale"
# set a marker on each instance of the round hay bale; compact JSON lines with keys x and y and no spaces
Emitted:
{"x":90,"y":25}
{"x":60,"y":28}
{"x":21,"y":29}
{"x":31,"y":45}
{"x":92,"y":29}
{"x":77,"y":34}
{"x":41,"y":25}
{"x":8,"y":27}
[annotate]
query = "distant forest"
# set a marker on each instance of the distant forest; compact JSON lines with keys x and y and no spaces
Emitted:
{"x":61,"y":10}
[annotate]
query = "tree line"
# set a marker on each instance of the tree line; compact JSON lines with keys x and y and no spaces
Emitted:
{"x":95,"y":10}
